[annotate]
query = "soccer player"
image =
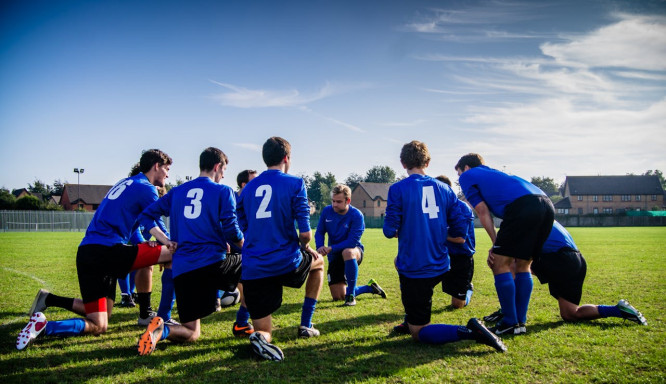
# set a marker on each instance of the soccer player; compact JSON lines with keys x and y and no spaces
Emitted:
{"x":563,"y":268}
{"x":528,"y":216}
{"x":421,"y":213}
{"x":345,"y":225}
{"x":274,"y":255}
{"x":203,"y":220}
{"x":104,"y":255}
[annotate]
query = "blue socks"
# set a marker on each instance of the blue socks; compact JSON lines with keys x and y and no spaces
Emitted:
{"x":362,"y":289}
{"x":506,"y":293}
{"x":524,"y":285}
{"x":609,"y":311}
{"x":165,"y":332}
{"x":124,"y":285}
{"x":168,"y":295}
{"x":351,"y":273}
{"x":307,"y":312}
{"x":439,"y":333}
{"x":243,"y":316}
{"x":65,"y":328}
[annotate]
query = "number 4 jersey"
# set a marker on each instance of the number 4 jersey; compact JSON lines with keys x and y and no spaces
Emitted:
{"x":268,"y":209}
{"x":114,"y":219}
{"x":420,"y":209}
{"x":203,"y":220}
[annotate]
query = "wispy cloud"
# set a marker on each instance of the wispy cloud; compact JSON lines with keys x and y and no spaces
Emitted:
{"x":351,"y":127}
{"x":403,"y":123}
{"x":250,"y":146}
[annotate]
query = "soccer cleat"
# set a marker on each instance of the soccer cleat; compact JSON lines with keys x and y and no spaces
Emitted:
{"x":34,"y":328}
{"x":350,"y":301}
{"x":468,"y":296}
{"x":307,"y":332}
{"x":494,"y":317}
{"x":264,"y":349}
{"x":401,"y":329}
{"x":126,"y":301}
{"x":148,"y":341}
{"x":506,"y":329}
{"x":521,"y":329}
{"x":376,"y":289}
{"x":242,"y":330}
{"x":630,"y":313}
{"x":171,"y":321}
{"x":146,"y":320}
{"x":218,"y":305}
{"x":39,"y":304}
{"x":484,"y":336}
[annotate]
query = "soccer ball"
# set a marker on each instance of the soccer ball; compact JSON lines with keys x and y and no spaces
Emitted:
{"x":230,"y":298}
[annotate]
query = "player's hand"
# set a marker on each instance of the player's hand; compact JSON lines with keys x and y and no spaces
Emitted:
{"x":152,"y":243}
{"x":322,"y":251}
{"x":171,"y":246}
{"x":491,"y":259}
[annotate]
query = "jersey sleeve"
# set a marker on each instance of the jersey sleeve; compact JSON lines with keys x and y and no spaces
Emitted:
{"x":321,"y":229}
{"x":301,"y":208}
{"x":228,"y":217}
{"x":150,"y":216}
{"x":393,"y":212}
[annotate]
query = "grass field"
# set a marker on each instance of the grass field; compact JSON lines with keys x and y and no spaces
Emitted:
{"x":355,"y":345}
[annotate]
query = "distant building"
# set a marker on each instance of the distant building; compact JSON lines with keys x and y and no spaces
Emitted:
{"x":83,"y":196}
{"x":21,"y":192}
{"x":585,"y":195}
{"x":371,"y":198}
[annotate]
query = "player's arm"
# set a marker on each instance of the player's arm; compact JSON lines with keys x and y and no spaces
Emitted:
{"x":393,"y":213}
{"x":229,"y":220}
{"x":320,"y":234}
{"x":483,"y":212}
{"x":151,"y":216}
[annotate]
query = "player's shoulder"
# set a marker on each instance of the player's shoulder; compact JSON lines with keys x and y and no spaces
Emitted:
{"x":355,"y":211}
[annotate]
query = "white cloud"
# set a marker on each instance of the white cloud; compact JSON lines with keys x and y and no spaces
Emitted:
{"x":241,"y":97}
{"x":250,"y":146}
{"x":403,"y":123}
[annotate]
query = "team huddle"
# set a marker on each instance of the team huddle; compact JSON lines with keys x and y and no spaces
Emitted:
{"x":257,"y":241}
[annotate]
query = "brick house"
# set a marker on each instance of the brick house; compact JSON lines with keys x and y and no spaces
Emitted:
{"x":585,"y":195}
{"x":370,"y":198}
{"x":84,"y":196}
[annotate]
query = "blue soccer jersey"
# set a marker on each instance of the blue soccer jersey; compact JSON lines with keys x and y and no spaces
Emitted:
{"x":468,"y":247}
{"x":495,"y":188}
{"x":268,"y":209}
{"x":559,"y":238}
{"x":420,"y":209}
{"x":115,"y":218}
{"x":344,"y":231}
{"x":203,"y":220}
{"x":141,"y":234}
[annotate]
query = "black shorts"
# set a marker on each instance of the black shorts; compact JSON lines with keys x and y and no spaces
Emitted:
{"x":526,"y":225}
{"x":416,"y":295}
{"x":264,"y":296}
{"x":99,"y":266}
{"x":336,"y":268}
{"x":564,"y":272}
{"x":196,"y":291}
{"x":458,"y":280}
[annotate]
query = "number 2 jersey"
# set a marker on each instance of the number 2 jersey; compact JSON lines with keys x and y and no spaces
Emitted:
{"x":203,"y":220}
{"x":420,"y":209}
{"x":114,"y":220}
{"x":268,"y":209}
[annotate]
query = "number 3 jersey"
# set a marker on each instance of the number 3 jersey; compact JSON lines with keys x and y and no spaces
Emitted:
{"x":268,"y":209}
{"x":114,"y":219}
{"x":419,"y":210}
{"x":203,"y":220}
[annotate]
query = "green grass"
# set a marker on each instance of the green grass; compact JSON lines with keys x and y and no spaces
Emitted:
{"x":355,"y":345}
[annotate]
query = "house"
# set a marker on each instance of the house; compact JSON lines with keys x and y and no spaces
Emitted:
{"x":83,"y":196}
{"x":371,"y":198}
{"x":19,"y":193}
{"x":610,"y":194}
{"x":55,"y":200}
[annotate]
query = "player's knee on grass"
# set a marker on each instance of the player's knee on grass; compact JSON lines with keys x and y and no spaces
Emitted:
{"x":457,"y":303}
{"x":568,"y":310}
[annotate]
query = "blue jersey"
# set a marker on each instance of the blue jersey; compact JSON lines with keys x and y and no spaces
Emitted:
{"x":115,"y":218}
{"x":420,"y":209}
{"x":559,"y":238}
{"x":344,"y":231}
{"x":467,"y":248}
{"x":141,"y":234}
{"x":495,"y":188}
{"x":268,"y":207}
{"x":203,"y":220}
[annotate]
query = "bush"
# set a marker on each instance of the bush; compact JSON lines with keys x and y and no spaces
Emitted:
{"x":28,"y":203}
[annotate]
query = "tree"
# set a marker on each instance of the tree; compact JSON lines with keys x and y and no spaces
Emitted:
{"x":353,"y":180}
{"x":58,"y":187}
{"x":380,"y":174}
{"x":39,"y":187}
{"x":319,"y":188}
{"x":657,"y":173}
{"x":29,"y":203}
{"x":7,"y":200}
{"x":546,"y":184}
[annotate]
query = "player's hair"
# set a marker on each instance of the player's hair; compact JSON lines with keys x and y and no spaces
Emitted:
{"x":136,"y":169}
{"x":444,"y":179}
{"x":211,"y":156}
{"x":244,"y":177}
{"x":274,"y":150}
{"x":151,"y":157}
{"x":341,"y":188}
{"x":415,"y":154}
{"x":471,"y":160}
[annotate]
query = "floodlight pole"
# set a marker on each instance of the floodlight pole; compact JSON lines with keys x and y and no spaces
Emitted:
{"x":78,"y":172}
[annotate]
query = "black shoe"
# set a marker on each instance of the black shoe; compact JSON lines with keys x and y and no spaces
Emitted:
{"x":126,"y":301}
{"x":350,"y":301}
{"x":494,"y":317}
{"x":376,"y":289}
{"x":401,"y":329}
{"x":483,"y":335}
{"x":506,"y":329}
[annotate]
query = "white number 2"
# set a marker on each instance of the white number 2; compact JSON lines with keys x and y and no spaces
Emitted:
{"x":266,"y":191}
{"x":194,"y":210}
{"x":429,"y":203}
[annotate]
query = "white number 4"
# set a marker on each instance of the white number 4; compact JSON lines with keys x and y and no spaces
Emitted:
{"x":429,"y":203}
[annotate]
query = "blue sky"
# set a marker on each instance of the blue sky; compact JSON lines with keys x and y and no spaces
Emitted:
{"x":548,"y":88}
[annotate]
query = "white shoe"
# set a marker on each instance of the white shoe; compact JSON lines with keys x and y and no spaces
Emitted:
{"x":35,"y":327}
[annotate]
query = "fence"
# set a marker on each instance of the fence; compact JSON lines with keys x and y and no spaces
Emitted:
{"x":44,"y":221}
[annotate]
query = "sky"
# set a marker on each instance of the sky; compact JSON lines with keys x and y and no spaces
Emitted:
{"x":547,"y":88}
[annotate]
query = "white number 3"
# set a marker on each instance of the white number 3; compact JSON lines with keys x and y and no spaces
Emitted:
{"x":194,"y":210}
{"x":429,"y":203}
